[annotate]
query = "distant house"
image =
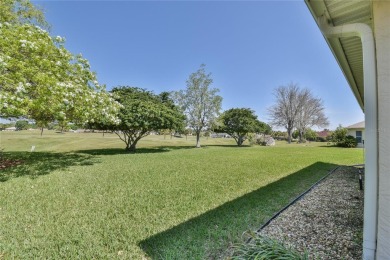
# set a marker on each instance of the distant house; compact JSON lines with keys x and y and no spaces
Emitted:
{"x":323,"y":135}
{"x":357,"y":131}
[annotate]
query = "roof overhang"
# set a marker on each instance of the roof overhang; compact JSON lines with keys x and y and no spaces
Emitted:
{"x":347,"y":51}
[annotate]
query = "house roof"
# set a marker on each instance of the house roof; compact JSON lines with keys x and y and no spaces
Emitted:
{"x":347,"y":51}
{"x":357,"y":125}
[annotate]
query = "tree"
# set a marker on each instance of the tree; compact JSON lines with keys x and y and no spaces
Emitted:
{"x":285,"y":111}
{"x":21,"y":12}
{"x":143,"y":112}
{"x":21,"y":125}
{"x":238,"y":122}
{"x":296,"y":108}
{"x":200,"y":104}
{"x":40,"y":79}
{"x":339,"y":135}
{"x":311,"y":113}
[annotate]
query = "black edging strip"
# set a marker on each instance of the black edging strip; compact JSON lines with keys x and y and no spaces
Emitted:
{"x":293,"y":201}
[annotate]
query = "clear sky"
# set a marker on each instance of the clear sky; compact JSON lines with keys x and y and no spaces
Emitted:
{"x":250,"y":47}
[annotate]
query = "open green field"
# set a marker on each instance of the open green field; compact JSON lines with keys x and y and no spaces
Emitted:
{"x":81,"y":196}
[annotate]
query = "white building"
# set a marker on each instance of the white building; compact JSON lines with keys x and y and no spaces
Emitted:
{"x":358,"y":131}
{"x":358,"y":34}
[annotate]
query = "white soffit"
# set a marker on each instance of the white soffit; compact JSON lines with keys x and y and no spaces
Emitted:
{"x":347,"y":51}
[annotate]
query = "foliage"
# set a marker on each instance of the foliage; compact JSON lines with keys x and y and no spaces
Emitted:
{"x":143,"y":112}
{"x":261,"y":247}
{"x":200,"y":104}
{"x":296,"y":108}
{"x":21,"y":12}
{"x":340,"y":138}
{"x":310,"y":135}
{"x":339,"y":135}
{"x":349,"y":142}
{"x":279,"y":135}
{"x":238,"y":122}
{"x":40,"y":79}
{"x":21,"y":125}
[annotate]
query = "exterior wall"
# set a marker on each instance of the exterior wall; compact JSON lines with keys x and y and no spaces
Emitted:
{"x":353,"y":133}
{"x":381,"y":14}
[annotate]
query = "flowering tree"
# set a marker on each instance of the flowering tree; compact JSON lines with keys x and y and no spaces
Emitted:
{"x":40,"y":79}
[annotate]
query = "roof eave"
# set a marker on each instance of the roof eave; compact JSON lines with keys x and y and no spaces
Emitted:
{"x":318,"y":8}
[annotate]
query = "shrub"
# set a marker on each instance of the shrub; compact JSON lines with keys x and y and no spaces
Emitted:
{"x":349,"y":142}
{"x":21,"y":125}
{"x":265,"y":248}
{"x":321,"y":139}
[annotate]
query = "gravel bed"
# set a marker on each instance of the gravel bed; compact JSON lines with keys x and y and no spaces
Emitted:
{"x":327,"y":222}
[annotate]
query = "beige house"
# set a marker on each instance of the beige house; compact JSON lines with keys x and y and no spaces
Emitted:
{"x":358,"y":131}
{"x":358,"y":34}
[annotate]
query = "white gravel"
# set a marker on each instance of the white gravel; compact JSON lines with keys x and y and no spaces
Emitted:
{"x":327,"y":222}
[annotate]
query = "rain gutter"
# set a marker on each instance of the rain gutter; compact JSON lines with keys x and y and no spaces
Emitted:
{"x":364,"y":32}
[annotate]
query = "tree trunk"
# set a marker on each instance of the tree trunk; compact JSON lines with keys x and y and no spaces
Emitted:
{"x":41,"y":131}
{"x":301,"y":136}
{"x":289,"y":135}
{"x":240,"y":141}
{"x":131,"y":147}
{"x":197,"y":139}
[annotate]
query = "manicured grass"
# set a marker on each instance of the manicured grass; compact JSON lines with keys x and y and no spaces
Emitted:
{"x":82,"y":196}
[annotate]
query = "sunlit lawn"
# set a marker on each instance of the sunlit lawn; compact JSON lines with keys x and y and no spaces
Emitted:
{"x":81,"y":196}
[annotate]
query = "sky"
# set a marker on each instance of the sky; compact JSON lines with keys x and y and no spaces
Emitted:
{"x":250,"y":47}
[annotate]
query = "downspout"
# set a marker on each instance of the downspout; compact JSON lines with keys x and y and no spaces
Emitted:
{"x":364,"y":32}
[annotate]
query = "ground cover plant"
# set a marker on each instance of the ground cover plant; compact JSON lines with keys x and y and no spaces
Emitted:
{"x":82,"y":196}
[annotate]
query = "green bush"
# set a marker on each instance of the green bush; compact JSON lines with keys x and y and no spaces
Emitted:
{"x":261,"y":247}
{"x":321,"y":139}
{"x":349,"y":142}
{"x":21,"y":125}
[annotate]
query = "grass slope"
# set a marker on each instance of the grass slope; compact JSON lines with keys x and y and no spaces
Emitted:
{"x":89,"y":199}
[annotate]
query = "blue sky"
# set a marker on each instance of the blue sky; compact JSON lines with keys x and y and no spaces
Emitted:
{"x":250,"y":47}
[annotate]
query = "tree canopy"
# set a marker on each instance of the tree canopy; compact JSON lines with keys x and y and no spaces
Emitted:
{"x":40,"y":79}
{"x":200,"y":103}
{"x":296,"y":108}
{"x":238,"y":122}
{"x":142,"y":112}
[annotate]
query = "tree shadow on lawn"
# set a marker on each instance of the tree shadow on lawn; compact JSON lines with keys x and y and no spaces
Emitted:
{"x":115,"y":151}
{"x":211,"y":234}
{"x":35,"y":164}
{"x":227,"y":145}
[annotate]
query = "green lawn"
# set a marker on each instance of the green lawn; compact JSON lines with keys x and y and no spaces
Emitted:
{"x":81,"y":196}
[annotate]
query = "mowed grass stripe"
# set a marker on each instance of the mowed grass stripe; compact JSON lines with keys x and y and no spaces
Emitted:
{"x":174,"y":202}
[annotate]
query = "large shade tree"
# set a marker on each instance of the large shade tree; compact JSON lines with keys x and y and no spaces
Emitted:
{"x":311,"y":114}
{"x":296,"y":108}
{"x":238,"y":122}
{"x":142,"y":112}
{"x":40,"y":79}
{"x":200,"y":103}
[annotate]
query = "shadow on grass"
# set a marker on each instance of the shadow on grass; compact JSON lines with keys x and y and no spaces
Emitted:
{"x":115,"y":151}
{"x":35,"y":164}
{"x":227,"y":145}
{"x":209,"y":235}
